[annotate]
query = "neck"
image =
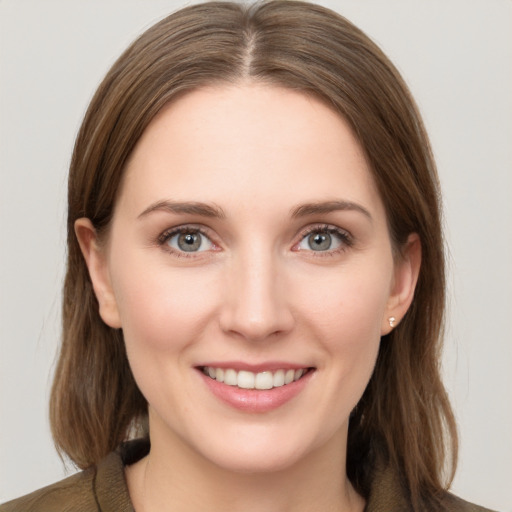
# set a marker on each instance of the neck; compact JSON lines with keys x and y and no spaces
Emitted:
{"x":174,"y":477}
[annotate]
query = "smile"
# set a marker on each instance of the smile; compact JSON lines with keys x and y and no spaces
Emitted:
{"x":244,"y":379}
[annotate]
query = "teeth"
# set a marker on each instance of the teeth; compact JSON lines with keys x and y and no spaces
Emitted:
{"x":250,"y":380}
{"x":278,"y":379}
{"x":246,"y":380}
{"x":264,"y":380}
{"x":230,"y":378}
{"x":219,"y":374}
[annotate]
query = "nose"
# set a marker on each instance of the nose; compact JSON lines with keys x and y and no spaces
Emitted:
{"x":256,"y":303}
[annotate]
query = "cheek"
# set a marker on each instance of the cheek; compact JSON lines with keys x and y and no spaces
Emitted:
{"x":347,"y":302}
{"x":163,"y":313}
{"x":353,"y":345}
{"x":162,"y":308}
{"x":345,"y":313}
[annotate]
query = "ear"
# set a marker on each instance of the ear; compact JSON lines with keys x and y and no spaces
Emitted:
{"x":96,"y":260}
{"x":407,"y":269}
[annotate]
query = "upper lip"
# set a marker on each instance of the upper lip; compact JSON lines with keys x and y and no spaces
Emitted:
{"x":267,"y":366}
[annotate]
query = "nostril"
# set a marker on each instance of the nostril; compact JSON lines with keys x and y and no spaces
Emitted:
{"x":256,"y":325}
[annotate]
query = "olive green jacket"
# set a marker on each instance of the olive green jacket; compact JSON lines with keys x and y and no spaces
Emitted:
{"x":102,"y":488}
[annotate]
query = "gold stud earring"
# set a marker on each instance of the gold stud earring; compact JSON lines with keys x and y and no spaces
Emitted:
{"x":391,"y":321}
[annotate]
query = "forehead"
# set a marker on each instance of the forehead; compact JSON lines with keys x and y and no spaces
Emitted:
{"x":266,"y":142}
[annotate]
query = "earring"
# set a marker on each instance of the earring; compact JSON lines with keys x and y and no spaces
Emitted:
{"x":391,"y":321}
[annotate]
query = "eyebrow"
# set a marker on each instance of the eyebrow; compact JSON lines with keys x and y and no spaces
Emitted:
{"x":191,"y":208}
{"x":213,"y":211}
{"x":307,"y":209}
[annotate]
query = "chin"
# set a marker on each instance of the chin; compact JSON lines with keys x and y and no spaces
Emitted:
{"x":256,"y":461}
{"x":255,"y":451}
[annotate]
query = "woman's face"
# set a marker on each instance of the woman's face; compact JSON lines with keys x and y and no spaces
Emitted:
{"x":249,"y":245}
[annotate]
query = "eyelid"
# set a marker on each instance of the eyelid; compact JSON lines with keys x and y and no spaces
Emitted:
{"x":167,"y":234}
{"x":183,"y":228}
{"x":346,"y":238}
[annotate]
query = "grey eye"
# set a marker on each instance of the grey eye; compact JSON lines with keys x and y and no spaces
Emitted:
{"x":319,"y":241}
{"x":190,"y":242}
{"x":323,"y":240}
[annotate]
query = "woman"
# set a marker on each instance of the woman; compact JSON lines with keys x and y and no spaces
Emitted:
{"x":255,"y":265}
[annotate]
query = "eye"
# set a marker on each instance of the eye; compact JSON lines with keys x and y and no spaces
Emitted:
{"x":187,"y":240}
{"x":324,"y":239}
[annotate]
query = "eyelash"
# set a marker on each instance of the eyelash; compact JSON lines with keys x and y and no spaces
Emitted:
{"x":344,"y":237}
{"x":182,"y":230}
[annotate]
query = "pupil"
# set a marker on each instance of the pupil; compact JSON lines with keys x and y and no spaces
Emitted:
{"x":320,"y":241}
{"x":189,"y":242}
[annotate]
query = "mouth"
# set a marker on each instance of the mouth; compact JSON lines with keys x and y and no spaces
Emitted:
{"x":264,"y":380}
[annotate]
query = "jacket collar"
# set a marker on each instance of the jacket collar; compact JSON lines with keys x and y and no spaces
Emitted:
{"x":111,"y":490}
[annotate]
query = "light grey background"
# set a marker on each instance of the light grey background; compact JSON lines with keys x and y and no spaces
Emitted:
{"x":457,"y":58}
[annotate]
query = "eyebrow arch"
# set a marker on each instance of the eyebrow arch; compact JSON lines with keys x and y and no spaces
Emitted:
{"x":307,"y":209}
{"x":191,"y":208}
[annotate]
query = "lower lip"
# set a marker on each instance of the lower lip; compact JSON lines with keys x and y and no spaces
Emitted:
{"x":255,"y":400}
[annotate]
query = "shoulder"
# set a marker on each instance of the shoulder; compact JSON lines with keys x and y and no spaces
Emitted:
{"x":75,"y":493}
{"x":388,"y":492}
{"x":99,"y":488}
{"x":455,"y":504}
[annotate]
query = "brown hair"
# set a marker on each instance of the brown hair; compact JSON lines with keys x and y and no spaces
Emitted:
{"x":404,"y":418}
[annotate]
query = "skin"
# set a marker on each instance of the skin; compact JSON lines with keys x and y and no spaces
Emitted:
{"x":255,"y":292}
